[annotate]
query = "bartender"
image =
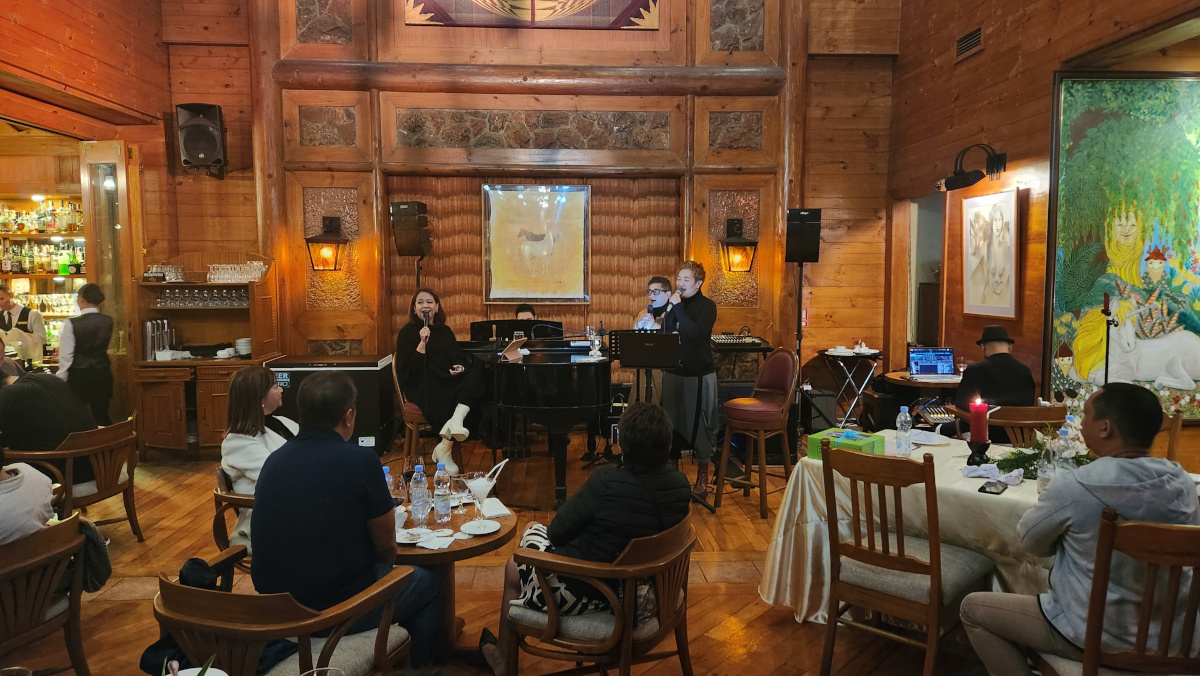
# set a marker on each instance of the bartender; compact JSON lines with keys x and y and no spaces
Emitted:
{"x":23,"y":327}
{"x":83,"y":353}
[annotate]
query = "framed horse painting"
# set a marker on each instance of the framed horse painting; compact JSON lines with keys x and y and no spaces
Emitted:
{"x":536,"y":243}
{"x":1123,"y":268}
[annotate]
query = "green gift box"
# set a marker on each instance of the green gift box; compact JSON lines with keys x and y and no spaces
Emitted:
{"x":854,"y":440}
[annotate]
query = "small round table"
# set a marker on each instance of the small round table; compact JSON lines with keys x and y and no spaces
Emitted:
{"x":901,"y":378}
{"x":852,"y":385}
{"x":441,"y":562}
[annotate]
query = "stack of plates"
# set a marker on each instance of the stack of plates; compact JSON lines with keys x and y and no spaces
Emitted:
{"x":242,"y":345}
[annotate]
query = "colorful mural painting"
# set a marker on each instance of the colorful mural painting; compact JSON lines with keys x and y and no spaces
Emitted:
{"x":1127,"y":227}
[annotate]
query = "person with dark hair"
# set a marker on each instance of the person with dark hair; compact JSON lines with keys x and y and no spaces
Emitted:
{"x":1120,"y":422}
{"x":21,"y":326}
{"x":689,"y":393}
{"x":252,"y":433}
{"x":83,"y":353}
{"x":643,"y":497}
{"x":658,"y":292}
{"x":37,"y":412}
{"x":324,"y":529}
{"x":526,"y":311}
{"x":435,"y":374}
{"x":25,"y":496}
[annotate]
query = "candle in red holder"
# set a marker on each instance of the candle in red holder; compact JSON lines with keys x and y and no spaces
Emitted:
{"x":979,"y":424}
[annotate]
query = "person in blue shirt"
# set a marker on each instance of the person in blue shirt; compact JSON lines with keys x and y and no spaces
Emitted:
{"x":324,"y":529}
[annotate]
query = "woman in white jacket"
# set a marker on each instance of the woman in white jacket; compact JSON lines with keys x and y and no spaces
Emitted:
{"x":253,"y":434}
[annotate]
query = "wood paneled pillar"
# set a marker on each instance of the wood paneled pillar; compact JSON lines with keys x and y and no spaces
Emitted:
{"x":795,"y":48}
{"x":267,"y":124}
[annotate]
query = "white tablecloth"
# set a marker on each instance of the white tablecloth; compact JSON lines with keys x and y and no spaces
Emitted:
{"x":797,"y":567}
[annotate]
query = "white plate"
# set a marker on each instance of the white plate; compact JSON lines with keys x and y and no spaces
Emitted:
{"x":840,"y":353}
{"x":480,"y":527}
{"x":443,"y":532}
{"x":927,"y":438}
{"x":412,"y":537}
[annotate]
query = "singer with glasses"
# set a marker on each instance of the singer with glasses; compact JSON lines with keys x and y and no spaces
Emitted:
{"x":658,"y":292}
{"x":435,"y":374}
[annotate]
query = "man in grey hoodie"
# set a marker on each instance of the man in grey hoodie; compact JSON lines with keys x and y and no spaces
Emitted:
{"x":1120,"y":422}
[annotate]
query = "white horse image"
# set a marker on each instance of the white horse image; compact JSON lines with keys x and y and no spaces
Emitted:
{"x":536,"y":248}
{"x":1170,"y":361}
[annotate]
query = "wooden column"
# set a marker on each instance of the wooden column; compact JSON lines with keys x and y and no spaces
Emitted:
{"x":795,"y":45}
{"x":267,"y":125}
{"x":897,"y":285}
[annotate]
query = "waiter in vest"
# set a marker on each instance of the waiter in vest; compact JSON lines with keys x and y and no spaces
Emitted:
{"x":83,"y":353}
{"x":23,"y":327}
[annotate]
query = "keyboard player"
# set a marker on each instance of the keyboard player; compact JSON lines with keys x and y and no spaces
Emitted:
{"x":689,"y":393}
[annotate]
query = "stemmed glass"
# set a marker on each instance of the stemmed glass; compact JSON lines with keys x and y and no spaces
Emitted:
{"x":459,"y":492}
{"x":961,"y":365}
{"x":420,"y":509}
{"x":480,"y":485}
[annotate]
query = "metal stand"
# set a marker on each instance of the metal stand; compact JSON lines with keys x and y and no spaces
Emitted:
{"x":1109,"y":323}
{"x":856,"y":388}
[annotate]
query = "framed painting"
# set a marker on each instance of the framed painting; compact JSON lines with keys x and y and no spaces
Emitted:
{"x":536,"y":243}
{"x":1124,"y":237}
{"x":990,"y":239}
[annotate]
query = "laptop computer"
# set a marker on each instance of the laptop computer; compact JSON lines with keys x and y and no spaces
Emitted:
{"x":932,"y":364}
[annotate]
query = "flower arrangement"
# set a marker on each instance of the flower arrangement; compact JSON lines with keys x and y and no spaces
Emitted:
{"x":1076,"y":455}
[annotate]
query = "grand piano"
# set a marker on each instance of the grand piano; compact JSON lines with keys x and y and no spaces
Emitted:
{"x":555,"y":385}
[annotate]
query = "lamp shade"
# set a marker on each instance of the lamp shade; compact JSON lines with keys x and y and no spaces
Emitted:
{"x":737,"y":252}
{"x":327,"y":250}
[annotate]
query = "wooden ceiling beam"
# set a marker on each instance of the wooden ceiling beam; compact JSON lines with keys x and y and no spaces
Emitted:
{"x":501,"y":79}
{"x":1159,"y":36}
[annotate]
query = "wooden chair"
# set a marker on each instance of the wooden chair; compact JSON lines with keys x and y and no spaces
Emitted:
{"x":915,"y":579}
{"x":1020,"y":423}
{"x":414,"y":422}
{"x":227,"y":502}
{"x":113,"y":454}
{"x":235,"y":627}
{"x":1167,"y":551}
{"x":31,"y":569}
{"x":1173,"y":427}
{"x":762,"y":415}
{"x":609,"y":640}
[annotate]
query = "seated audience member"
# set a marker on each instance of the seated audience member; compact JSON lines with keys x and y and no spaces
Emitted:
{"x":526,"y":311}
{"x":1119,"y":425}
{"x":324,"y":529}
{"x":25,"y":497}
{"x":37,"y":412}
{"x":999,"y":379}
{"x":643,"y":497}
{"x":253,"y":433}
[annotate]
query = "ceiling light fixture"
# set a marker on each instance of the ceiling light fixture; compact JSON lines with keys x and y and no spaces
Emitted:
{"x":995,"y":165}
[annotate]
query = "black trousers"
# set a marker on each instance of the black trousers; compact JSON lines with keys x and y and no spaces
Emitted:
{"x":95,"y":387}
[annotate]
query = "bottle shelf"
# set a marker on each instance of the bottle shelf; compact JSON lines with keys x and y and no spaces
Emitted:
{"x":199,"y":307}
{"x":43,"y":236}
{"x":39,"y":275}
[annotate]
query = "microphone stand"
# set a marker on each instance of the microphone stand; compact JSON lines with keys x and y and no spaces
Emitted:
{"x":1109,"y":323}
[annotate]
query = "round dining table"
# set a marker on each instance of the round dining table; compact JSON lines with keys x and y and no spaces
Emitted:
{"x":441,"y":562}
{"x":902,"y":378}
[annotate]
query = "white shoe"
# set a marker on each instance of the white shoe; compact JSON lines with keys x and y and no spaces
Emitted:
{"x":444,"y":453}
{"x":454,"y":429}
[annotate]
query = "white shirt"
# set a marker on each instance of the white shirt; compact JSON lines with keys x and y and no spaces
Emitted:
{"x":25,"y":496}
{"x":66,"y":343}
{"x":28,"y":345}
{"x":242,"y":457}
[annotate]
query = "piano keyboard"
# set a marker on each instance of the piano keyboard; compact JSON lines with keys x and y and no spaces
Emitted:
{"x":733,"y":339}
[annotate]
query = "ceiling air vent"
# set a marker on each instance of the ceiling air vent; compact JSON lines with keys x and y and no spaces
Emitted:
{"x":969,"y":44}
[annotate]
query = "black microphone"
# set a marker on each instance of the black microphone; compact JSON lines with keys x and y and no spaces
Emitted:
{"x":425,"y":314}
{"x":650,"y":308}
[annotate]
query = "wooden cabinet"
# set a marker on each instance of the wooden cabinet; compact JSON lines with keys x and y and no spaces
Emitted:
{"x":162,"y":403}
{"x":212,"y":402}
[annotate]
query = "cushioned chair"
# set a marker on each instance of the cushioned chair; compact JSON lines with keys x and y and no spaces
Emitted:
{"x":890,"y":573}
{"x":235,"y":627}
{"x":227,"y":502}
{"x":1168,"y":552}
{"x":1020,"y":423}
{"x":31,"y":569}
{"x":762,"y":415}
{"x":610,"y":639}
{"x":113,"y":453}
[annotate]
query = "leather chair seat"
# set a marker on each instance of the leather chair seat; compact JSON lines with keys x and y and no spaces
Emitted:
{"x":750,"y":410}
{"x":413,"y":412}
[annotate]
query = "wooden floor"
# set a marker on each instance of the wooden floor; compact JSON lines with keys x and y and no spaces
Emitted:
{"x":731,"y":630}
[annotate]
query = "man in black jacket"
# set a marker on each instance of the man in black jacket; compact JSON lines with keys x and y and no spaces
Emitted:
{"x":689,"y":393}
{"x":999,"y":379}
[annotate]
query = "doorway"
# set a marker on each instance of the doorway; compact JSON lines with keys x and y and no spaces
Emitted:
{"x":925,"y":251}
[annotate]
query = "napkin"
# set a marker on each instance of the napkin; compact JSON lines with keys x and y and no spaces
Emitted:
{"x":991,"y":471}
{"x":436,"y":543}
{"x":493,"y":508}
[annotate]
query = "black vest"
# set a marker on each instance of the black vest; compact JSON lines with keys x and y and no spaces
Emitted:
{"x":92,"y":331}
{"x":22,"y":320}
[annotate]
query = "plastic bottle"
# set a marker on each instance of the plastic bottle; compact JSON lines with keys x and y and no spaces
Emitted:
{"x":903,"y":448}
{"x":441,"y":494}
{"x":418,"y":484}
{"x":395,"y":484}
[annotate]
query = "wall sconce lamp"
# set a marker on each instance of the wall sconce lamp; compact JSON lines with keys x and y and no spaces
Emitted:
{"x":327,"y":250}
{"x":995,"y":165}
{"x":737,"y":252}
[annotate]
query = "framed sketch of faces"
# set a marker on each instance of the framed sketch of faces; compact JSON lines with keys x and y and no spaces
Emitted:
{"x":990,"y":239}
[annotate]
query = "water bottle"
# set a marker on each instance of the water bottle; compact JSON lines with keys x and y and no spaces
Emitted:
{"x":903,"y":447}
{"x":419,"y":485}
{"x":391,"y":483}
{"x":441,"y":494}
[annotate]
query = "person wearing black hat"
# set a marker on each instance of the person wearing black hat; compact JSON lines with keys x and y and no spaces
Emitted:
{"x":999,"y":379}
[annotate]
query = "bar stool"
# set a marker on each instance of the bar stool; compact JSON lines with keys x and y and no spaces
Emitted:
{"x":759,"y":417}
{"x":412,"y":417}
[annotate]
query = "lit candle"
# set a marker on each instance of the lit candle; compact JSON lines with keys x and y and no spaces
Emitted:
{"x":979,"y":424}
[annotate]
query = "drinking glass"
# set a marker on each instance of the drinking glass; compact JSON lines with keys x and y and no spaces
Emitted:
{"x":420,"y":510}
{"x":459,"y":492}
{"x":480,"y":485}
{"x":961,"y":365}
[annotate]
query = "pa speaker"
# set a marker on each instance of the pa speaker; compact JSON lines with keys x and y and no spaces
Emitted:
{"x":202,"y":137}
{"x":803,"y":236}
{"x":410,"y":228}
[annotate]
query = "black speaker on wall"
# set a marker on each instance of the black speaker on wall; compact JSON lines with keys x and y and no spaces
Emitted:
{"x":410,"y":228}
{"x":803,"y":236}
{"x":202,"y":137}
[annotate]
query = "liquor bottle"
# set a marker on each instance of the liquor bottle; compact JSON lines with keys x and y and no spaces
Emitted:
{"x":73,"y":264}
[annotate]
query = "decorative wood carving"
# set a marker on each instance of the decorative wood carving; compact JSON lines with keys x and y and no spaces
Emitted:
{"x":327,"y":126}
{"x":738,"y":134}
